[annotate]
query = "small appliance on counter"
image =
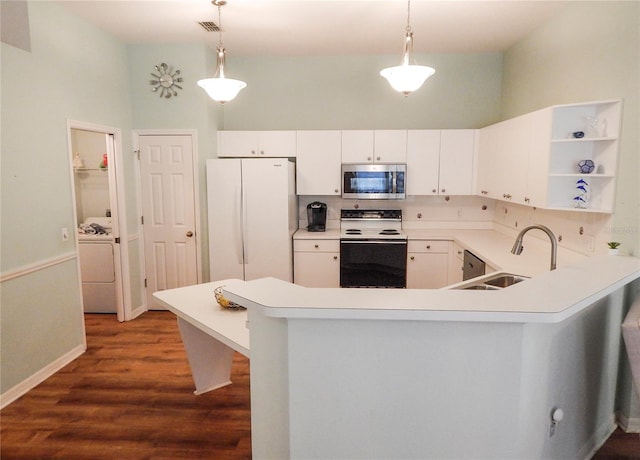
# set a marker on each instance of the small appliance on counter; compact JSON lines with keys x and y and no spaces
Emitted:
{"x":316,"y":216}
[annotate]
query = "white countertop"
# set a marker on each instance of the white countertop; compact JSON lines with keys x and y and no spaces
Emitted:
{"x":490,"y":245}
{"x":197,"y":305}
{"x":549,"y":296}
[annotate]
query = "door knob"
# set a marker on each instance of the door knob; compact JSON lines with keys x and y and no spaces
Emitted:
{"x":189,"y":234}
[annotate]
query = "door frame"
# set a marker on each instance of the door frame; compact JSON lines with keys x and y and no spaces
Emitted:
{"x":196,"y":193}
{"x":118,"y":209}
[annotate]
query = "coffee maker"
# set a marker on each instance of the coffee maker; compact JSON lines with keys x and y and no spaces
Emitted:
{"x":316,"y":216}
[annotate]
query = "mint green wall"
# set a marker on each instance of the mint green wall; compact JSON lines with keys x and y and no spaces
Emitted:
{"x":347,"y":92}
{"x":589,"y":51}
{"x":73,"y":71}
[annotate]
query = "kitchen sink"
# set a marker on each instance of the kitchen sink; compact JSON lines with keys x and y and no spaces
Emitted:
{"x":495,"y":282}
{"x":481,"y":287}
{"x":505,"y":280}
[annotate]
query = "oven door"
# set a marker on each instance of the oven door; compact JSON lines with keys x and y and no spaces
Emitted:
{"x":373,"y":263}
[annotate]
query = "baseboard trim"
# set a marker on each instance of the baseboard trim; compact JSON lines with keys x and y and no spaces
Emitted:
{"x":43,"y":374}
{"x":628,"y":424}
{"x":138,"y":311}
{"x":598,"y":439}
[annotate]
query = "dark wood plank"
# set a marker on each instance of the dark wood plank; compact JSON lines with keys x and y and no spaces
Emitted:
{"x":130,"y":396}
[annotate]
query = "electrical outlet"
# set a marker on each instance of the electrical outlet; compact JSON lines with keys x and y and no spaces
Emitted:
{"x":65,"y":234}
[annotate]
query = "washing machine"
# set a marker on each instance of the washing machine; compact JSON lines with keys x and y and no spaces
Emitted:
{"x":98,"y":268}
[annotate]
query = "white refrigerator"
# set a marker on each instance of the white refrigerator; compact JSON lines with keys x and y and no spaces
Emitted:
{"x":252,"y":215}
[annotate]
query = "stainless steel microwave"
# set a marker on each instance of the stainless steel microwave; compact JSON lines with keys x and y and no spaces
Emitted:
{"x":374,"y":181}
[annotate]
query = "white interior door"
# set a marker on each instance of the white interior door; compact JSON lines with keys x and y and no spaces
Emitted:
{"x":169,"y":212}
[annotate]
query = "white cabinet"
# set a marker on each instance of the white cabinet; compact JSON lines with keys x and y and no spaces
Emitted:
{"x":504,"y":154}
{"x":316,"y":263}
{"x":423,"y":161}
{"x":318,"y":163}
{"x":379,"y":146}
{"x":440,"y":162}
{"x":456,"y":262}
{"x":427,"y":264}
{"x":257,"y":144}
{"x":456,"y":161}
{"x":533,"y":159}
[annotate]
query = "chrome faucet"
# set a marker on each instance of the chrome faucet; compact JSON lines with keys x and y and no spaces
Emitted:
{"x":517,"y":246}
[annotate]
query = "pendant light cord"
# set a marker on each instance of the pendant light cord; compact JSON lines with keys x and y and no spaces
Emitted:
{"x":408,"y":16}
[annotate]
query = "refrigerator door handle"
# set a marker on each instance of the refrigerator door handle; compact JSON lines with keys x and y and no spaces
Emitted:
{"x":244,"y":225}
{"x":239,"y":224}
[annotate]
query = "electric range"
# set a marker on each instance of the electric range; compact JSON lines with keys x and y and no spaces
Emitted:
{"x":373,"y":249}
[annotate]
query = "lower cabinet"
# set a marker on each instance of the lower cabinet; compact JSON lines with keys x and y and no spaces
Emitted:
{"x":427,"y":264}
{"x":456,"y":263}
{"x":316,"y":263}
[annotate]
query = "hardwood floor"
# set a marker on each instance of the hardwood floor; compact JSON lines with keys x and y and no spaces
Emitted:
{"x":130,"y":396}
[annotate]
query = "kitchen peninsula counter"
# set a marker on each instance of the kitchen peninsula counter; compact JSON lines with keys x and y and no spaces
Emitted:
{"x":432,"y":374}
{"x":551,"y":296}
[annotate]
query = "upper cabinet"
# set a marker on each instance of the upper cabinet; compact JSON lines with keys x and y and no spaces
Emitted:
{"x":440,"y":162}
{"x":257,"y":144}
{"x":561,"y":157}
{"x":318,"y":163}
{"x":379,"y":146}
{"x":457,"y":154}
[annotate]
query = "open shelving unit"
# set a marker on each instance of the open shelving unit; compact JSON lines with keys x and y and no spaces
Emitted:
{"x":600,"y":123}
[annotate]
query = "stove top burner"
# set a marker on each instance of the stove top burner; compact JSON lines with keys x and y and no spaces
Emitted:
{"x":372,"y":224}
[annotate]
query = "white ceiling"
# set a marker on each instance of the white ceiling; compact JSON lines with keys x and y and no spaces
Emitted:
{"x":321,"y":27}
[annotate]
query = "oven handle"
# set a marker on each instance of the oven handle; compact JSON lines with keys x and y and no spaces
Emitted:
{"x":373,"y":242}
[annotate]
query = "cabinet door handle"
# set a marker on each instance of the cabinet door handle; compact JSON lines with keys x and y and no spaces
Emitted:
{"x":428,"y":246}
{"x":434,"y":191}
{"x":253,"y":152}
{"x":368,"y":158}
{"x":335,"y":257}
{"x":526,"y":199}
{"x":443,"y":190}
{"x":377,"y":158}
{"x":412,"y":258}
{"x":337,"y":191}
{"x":189,"y":234}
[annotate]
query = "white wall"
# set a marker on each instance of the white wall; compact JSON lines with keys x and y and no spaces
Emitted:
{"x":73,"y":71}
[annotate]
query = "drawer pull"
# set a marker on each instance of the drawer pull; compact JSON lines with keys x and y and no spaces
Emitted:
{"x":316,"y":246}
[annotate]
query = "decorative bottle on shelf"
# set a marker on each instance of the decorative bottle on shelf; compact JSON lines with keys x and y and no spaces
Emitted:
{"x":77,"y":161}
{"x":583,"y":198}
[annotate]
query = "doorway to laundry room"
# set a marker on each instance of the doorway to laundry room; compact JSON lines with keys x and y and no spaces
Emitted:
{"x":102,"y":261}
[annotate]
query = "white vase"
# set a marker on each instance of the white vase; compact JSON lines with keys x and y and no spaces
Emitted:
{"x":614,"y":252}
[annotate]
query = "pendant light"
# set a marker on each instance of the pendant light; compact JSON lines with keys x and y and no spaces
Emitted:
{"x":407,"y":77}
{"x":219,"y":88}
